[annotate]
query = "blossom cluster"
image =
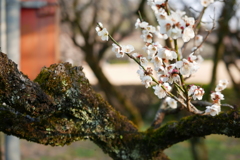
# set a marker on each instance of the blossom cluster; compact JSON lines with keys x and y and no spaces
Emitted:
{"x":174,"y":24}
{"x":216,"y":97}
{"x":162,"y":67}
{"x":102,"y":32}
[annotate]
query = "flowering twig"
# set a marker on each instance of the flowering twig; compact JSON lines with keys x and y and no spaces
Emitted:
{"x":170,"y":66}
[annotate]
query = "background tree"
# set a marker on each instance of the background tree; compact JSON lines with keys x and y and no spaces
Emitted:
{"x":80,"y":17}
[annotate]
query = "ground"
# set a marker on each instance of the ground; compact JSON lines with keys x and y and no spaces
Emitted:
{"x":219,"y":148}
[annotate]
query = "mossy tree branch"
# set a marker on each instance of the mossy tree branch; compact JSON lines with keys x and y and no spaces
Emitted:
{"x":195,"y":126}
{"x":60,"y":107}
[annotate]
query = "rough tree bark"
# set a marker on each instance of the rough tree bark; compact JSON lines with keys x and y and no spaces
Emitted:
{"x":60,"y":107}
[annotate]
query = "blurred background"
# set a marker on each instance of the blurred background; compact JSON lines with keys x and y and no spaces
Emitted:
{"x":37,"y":33}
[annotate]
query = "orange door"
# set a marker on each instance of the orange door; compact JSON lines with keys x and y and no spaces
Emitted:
{"x":39,"y":33}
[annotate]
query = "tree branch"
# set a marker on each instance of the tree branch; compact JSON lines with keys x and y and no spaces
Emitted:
{"x":195,"y":126}
{"x":60,"y":107}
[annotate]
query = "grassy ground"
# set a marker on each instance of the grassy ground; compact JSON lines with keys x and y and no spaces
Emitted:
{"x":82,"y":150}
{"x":219,"y":148}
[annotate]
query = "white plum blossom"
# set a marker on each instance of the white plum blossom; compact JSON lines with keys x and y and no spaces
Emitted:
{"x":140,"y":72}
{"x":151,"y":50}
{"x":164,"y":77}
{"x":213,"y":110}
{"x":216,"y":97}
{"x":167,"y":86}
{"x":119,"y":54}
{"x":195,"y":59}
{"x":160,"y":35}
{"x":99,"y":27}
{"x":137,"y":23}
{"x":176,"y":18}
{"x":157,"y":62}
{"x":196,"y":92}
{"x":127,"y":49}
{"x":171,"y":102}
{"x":170,"y":67}
{"x":188,"y":34}
{"x":150,"y":29}
{"x":116,"y":49}
{"x":221,"y":85}
{"x":206,"y":3}
{"x":219,"y":88}
{"x":174,"y":24}
{"x":161,"y":15}
{"x":147,"y":80}
{"x":175,"y":33}
{"x":168,"y":73}
{"x":198,"y":40}
{"x":167,"y":54}
{"x":161,"y":71}
{"x":136,"y":55}
{"x":185,"y":67}
{"x":192,"y":89}
{"x":190,"y":21}
{"x":160,"y":92}
{"x":103,"y":34}
{"x":147,"y":37}
{"x":180,"y":13}
{"x":188,"y":66}
{"x":143,"y":61}
{"x":174,"y":76}
{"x":156,"y":3}
{"x":140,"y":24}
{"x":192,"y":57}
{"x":165,"y":26}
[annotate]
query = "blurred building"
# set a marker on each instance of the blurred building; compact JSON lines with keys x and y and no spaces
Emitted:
{"x":30,"y":28}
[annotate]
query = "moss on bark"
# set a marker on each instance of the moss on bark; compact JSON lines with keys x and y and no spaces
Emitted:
{"x":60,"y":107}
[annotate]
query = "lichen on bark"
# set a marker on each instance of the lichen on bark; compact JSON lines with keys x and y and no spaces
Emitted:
{"x":60,"y":107}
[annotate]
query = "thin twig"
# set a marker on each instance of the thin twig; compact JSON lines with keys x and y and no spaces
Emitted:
{"x":205,"y":103}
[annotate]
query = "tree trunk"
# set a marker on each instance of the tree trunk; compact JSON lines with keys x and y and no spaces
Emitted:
{"x":60,"y":107}
{"x":198,"y":148}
